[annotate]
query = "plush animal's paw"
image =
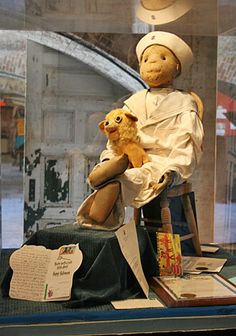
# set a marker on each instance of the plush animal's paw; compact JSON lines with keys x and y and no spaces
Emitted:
{"x":138,"y":160}
{"x":136,"y":154}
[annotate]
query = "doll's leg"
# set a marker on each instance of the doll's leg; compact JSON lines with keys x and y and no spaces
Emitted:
{"x":104,"y":202}
{"x":108,"y":170}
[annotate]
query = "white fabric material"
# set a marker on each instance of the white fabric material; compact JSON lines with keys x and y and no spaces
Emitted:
{"x":171,"y":133}
{"x":181,"y":50}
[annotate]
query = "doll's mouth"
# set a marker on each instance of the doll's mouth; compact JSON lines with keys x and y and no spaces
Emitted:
{"x":154,"y":70}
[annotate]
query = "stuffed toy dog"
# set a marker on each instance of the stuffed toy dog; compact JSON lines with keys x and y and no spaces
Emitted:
{"x":120,"y":128}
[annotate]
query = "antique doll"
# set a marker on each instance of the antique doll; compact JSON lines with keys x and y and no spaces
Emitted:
{"x":169,"y":130}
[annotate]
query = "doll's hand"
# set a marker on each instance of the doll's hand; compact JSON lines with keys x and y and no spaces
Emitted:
{"x":169,"y":178}
{"x":166,"y":181}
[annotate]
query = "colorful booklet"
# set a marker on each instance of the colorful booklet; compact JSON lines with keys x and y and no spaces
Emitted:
{"x":169,"y":254}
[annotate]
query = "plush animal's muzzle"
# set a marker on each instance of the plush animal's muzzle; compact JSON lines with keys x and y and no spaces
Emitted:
{"x":111,"y":129}
{"x":112,"y":132}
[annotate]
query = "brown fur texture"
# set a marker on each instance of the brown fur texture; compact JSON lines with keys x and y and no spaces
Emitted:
{"x":120,"y":128}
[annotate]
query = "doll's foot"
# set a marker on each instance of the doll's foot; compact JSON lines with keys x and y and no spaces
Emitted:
{"x":104,"y":202}
{"x":108,"y":170}
{"x":102,"y":210}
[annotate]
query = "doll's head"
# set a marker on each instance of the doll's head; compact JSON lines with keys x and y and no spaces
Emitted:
{"x":162,"y":57}
{"x":158,"y":66}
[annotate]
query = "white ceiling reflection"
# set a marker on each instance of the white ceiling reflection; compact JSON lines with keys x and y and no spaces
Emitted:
{"x":113,"y":16}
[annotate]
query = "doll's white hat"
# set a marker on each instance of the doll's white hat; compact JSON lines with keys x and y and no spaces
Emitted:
{"x":181,"y":50}
{"x":164,"y":11}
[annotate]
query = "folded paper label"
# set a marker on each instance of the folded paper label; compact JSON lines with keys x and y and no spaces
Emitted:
{"x":41,"y":274}
{"x":128,"y":241}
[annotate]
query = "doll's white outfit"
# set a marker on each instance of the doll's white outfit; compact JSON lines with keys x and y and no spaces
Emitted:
{"x":171,"y":133}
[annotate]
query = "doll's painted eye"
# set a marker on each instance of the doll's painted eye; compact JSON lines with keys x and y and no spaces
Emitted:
{"x":118,"y":119}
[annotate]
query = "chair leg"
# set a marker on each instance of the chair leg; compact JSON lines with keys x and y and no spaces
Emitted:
{"x":166,"y":220}
{"x":137,"y":216}
{"x":188,"y":211}
{"x":165,"y":213}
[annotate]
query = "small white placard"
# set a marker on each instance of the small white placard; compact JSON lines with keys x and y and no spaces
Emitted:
{"x":209,"y":248}
{"x":233,"y":280}
{"x":128,"y":241}
{"x":41,"y":274}
{"x":202,"y":264}
{"x":137,"y":304}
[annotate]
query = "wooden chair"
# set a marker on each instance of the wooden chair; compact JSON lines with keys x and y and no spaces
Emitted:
{"x":152,"y":225}
{"x":182,"y":190}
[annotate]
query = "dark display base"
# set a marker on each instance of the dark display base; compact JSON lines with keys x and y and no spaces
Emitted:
{"x":36,"y":318}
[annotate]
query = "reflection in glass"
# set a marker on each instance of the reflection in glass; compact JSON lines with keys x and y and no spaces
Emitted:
{"x":12,"y":101}
{"x":157,"y":12}
{"x":225,"y":210}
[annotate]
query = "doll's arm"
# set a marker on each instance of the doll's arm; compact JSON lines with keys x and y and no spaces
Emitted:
{"x":186,"y":153}
{"x":108,"y":170}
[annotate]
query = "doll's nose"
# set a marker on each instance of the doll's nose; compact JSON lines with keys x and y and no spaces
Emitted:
{"x":155,"y":58}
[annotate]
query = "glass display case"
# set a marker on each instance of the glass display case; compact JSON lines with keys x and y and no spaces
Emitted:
{"x":63,"y":66}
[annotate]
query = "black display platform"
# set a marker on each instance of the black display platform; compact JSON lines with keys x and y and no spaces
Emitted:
{"x":104,"y":274}
{"x":24,"y":318}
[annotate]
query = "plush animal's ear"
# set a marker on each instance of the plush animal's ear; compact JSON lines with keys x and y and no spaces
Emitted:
{"x":101,"y":125}
{"x":131,"y":116}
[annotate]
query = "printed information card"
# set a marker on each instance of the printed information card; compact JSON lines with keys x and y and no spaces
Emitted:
{"x":128,"y":241}
{"x":41,"y":274}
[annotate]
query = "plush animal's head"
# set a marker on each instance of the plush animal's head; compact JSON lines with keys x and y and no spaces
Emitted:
{"x":119,"y":124}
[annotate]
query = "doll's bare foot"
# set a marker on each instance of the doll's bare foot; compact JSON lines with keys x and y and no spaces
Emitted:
{"x":104,"y":202}
{"x":108,"y":170}
{"x":103,"y":209}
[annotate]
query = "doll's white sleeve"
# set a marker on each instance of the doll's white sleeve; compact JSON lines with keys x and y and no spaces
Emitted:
{"x":187,"y":150}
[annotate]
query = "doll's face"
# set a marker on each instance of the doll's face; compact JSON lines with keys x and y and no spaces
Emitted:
{"x":158,"y":66}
